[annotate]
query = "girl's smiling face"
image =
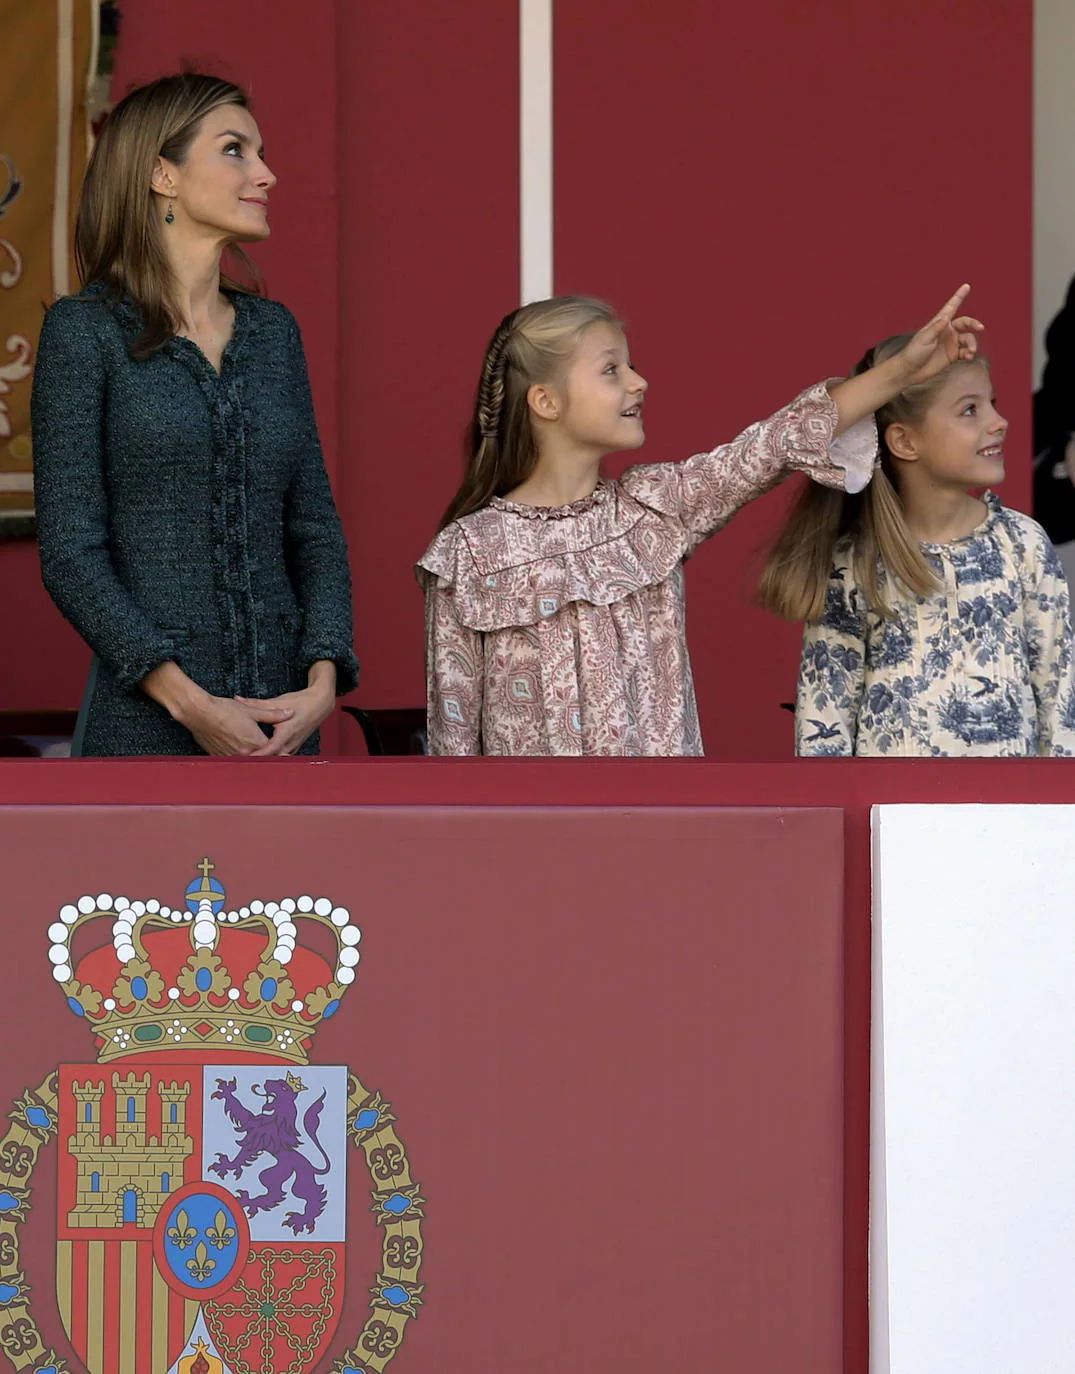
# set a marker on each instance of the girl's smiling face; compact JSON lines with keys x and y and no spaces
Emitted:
{"x":602,"y":393}
{"x":222,"y":185}
{"x":959,"y":440}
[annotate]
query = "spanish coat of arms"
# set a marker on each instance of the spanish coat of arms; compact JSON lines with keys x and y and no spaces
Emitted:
{"x":202,"y":1161}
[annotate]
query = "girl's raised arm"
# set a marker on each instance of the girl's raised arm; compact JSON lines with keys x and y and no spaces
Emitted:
{"x":705,"y":491}
{"x":827,"y":432}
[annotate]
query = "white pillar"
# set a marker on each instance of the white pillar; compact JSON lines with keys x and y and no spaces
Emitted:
{"x":535,"y":149}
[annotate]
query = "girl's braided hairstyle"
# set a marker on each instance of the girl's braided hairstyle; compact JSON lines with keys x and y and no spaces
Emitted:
{"x":530,"y":345}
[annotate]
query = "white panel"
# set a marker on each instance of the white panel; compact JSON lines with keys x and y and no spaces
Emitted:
{"x":535,"y":149}
{"x":973,"y":1169}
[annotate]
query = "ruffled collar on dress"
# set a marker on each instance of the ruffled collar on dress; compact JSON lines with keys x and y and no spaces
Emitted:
{"x":596,"y":498}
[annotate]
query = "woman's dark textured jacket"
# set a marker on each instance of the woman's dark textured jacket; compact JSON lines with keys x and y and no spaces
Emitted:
{"x":185,"y":515}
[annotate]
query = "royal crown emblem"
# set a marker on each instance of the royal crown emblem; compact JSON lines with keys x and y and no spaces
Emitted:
{"x":203,"y":976}
{"x":202,"y":1181}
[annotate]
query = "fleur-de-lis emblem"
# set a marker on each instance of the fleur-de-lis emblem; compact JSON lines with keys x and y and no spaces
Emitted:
{"x":220,"y":1233}
{"x":182,"y":1233}
{"x":201,"y":1266}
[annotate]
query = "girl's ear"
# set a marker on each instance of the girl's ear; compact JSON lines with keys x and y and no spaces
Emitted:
{"x":543,"y":401}
{"x":899,"y":440}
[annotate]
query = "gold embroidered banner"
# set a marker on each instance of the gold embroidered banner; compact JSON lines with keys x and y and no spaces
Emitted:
{"x":50,"y":51}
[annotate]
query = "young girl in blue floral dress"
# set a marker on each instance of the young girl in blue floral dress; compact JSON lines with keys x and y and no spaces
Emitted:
{"x":937,"y":620}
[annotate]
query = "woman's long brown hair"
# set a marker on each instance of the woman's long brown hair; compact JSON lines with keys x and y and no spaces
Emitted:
{"x":118,"y":229}
{"x":532,"y":344}
{"x":885,"y":556}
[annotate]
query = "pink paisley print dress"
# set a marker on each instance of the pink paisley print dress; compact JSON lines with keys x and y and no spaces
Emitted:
{"x":559,"y":630}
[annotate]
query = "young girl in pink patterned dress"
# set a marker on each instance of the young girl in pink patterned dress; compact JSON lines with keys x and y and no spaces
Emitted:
{"x":554,"y":596}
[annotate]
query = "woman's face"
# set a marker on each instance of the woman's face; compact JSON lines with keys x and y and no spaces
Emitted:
{"x":221,"y":188}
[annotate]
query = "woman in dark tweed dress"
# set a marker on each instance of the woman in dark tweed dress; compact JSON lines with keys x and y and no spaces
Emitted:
{"x":186,"y":525}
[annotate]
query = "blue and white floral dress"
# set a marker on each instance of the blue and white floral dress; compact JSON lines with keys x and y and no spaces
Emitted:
{"x":982,"y":666}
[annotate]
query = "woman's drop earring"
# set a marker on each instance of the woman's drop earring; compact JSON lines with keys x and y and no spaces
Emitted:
{"x":169,"y":218}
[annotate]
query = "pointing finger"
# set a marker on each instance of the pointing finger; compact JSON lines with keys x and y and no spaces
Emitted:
{"x":944,"y":316}
{"x":953,"y":303}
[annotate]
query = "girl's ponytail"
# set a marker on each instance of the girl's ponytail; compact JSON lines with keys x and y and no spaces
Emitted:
{"x":484,"y":474}
{"x":796,"y":572}
{"x":884,"y":545}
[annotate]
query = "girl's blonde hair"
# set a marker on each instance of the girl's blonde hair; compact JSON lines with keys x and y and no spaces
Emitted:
{"x":885,"y":554}
{"x":533,"y":344}
{"x":117,"y":231}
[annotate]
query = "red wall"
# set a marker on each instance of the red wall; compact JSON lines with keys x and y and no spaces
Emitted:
{"x":760,"y":196}
{"x":429,"y":233}
{"x":765,"y":196}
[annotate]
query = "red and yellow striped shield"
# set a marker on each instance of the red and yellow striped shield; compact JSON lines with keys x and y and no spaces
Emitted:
{"x":129,"y":1142}
{"x":120,"y":1315}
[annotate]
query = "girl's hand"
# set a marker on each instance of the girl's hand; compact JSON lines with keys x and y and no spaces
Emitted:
{"x":948,"y":338}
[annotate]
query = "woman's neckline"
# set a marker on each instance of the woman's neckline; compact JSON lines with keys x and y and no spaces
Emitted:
{"x":239,"y":318}
{"x":230,"y":297}
{"x":130,"y":319}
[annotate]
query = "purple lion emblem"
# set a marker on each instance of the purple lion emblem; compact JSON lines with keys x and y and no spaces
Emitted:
{"x":274,"y":1131}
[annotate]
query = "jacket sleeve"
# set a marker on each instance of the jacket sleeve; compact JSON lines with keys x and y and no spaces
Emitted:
{"x":705,"y":491}
{"x":454,"y":676}
{"x":832,"y":673}
{"x":316,"y":549}
{"x":72,"y":498}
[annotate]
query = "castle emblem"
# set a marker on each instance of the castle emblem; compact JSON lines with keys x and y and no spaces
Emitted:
{"x":203,"y":1172}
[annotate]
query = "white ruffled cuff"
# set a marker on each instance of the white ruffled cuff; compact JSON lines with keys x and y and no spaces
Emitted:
{"x":856,"y":451}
